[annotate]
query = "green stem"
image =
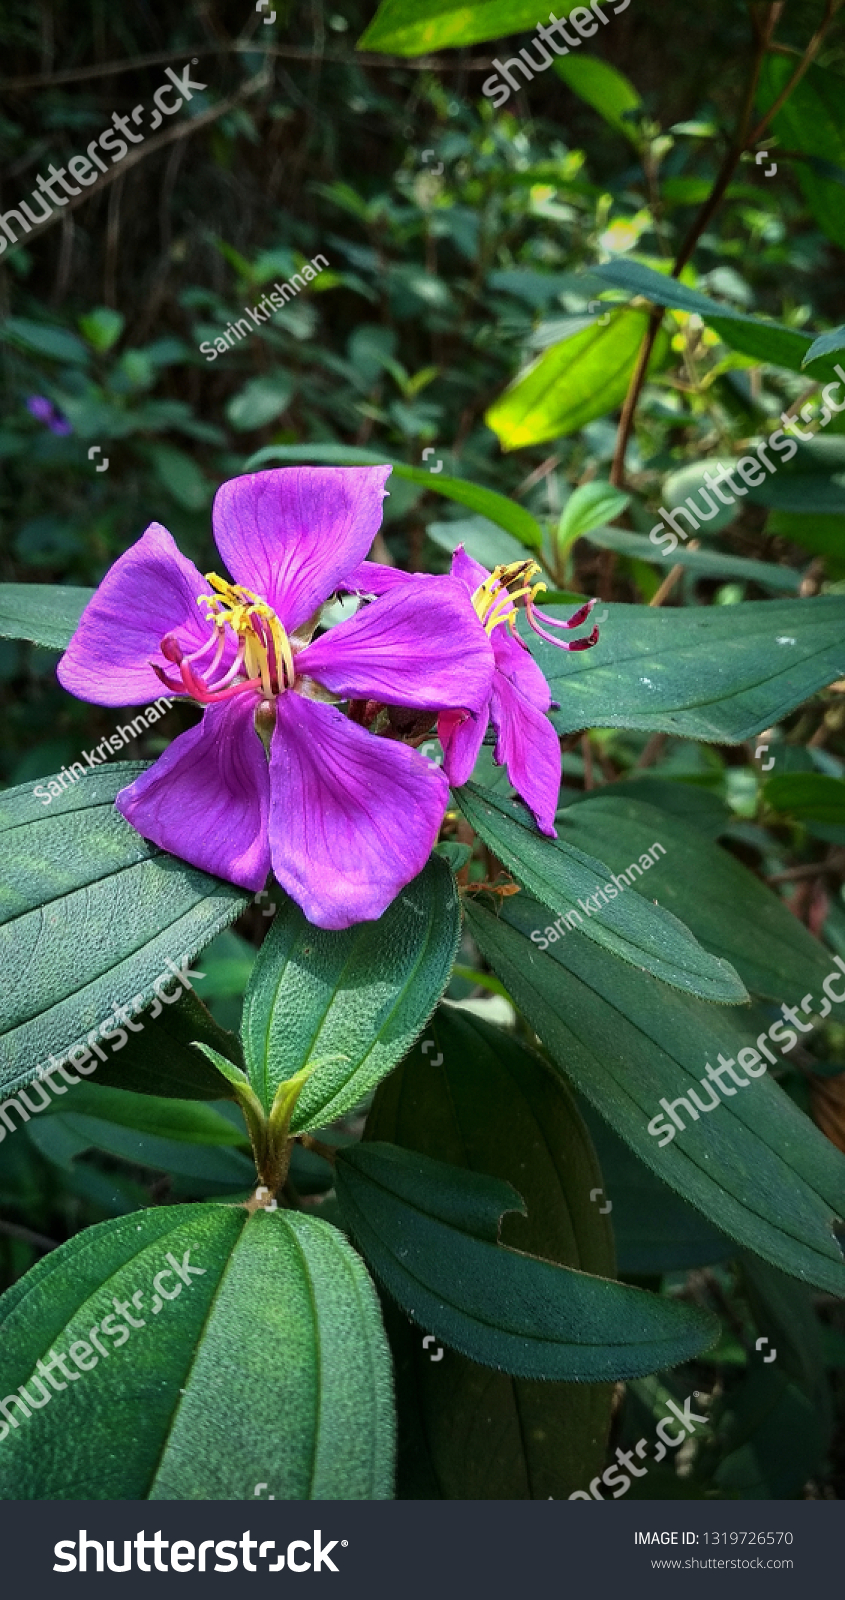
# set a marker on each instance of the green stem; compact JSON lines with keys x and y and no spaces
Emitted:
{"x":742,"y":141}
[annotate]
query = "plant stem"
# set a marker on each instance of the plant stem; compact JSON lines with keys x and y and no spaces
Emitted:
{"x":743,"y":140}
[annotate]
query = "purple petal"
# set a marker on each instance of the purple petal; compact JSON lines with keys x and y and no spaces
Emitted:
{"x":528,"y":747}
{"x":353,"y":818}
{"x":517,"y":664}
{"x":150,"y":591}
{"x":421,"y":645}
{"x":207,"y":799}
{"x":293,"y":535}
{"x":461,"y":737}
{"x":467,"y":571}
{"x":373,"y":578}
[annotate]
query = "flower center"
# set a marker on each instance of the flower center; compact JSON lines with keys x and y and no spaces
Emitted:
{"x":263,"y":659}
{"x":494,"y":602}
{"x":267,"y":652}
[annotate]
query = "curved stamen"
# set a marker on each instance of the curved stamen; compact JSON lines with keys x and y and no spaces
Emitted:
{"x":495,"y":604}
{"x":564,"y":644}
{"x":267,"y":650}
{"x":574,"y":621}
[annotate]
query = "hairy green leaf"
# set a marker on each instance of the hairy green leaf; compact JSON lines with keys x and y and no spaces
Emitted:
{"x":45,"y":613}
{"x":566,"y":879}
{"x":724,"y":904}
{"x":269,"y":1364}
{"x":353,"y":1000}
{"x":91,"y":915}
{"x":487,"y":1103}
{"x":721,"y":672}
{"x":429,"y":1231}
{"x":754,"y":1166}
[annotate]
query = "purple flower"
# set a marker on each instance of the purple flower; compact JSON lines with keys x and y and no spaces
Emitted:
{"x":45,"y":411}
{"x":344,"y":817}
{"x":519,"y":698}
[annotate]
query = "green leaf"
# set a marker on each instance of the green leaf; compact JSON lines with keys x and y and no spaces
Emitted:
{"x":90,"y":915}
{"x":765,"y":341}
{"x":655,"y":1231}
{"x":582,"y":377}
{"x":588,"y":507}
{"x":692,"y":477}
{"x":269,"y":1365}
{"x":56,"y":343}
{"x":712,"y":563}
{"x":260,"y":401}
{"x":486,"y":1103}
{"x":103,"y":327}
{"x":165,"y":1061}
{"x":720,"y":673}
{"x":604,"y":88}
{"x":429,"y":1231}
{"x":481,"y":539}
{"x":166,"y":1117}
{"x":811,"y":121}
{"x":181,"y":476}
{"x":810,"y":795}
{"x":486,"y":502}
{"x":725,"y":905}
{"x":353,"y":1000}
{"x":414,"y":27}
{"x":777,"y":1439}
{"x":45,"y":613}
{"x":211,"y":1168}
{"x":755,"y":1167}
{"x":559,"y":874}
{"x":827,"y":344}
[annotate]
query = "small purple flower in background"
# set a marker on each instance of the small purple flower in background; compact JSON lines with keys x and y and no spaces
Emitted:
{"x":519,"y":698}
{"x":43,"y":410}
{"x":345,"y":818}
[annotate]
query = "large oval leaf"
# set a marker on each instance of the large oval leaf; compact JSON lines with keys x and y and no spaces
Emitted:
{"x":430,"y":1233}
{"x":90,"y":916}
{"x":756,"y":1167}
{"x":714,"y":672}
{"x":485,"y":1102}
{"x":727,"y":907}
{"x":253,"y":1351}
{"x":354,"y":1000}
{"x":569,"y":881}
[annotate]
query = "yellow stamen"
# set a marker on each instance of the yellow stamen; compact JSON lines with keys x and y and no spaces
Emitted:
{"x":237,"y":608}
{"x":494,"y":599}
